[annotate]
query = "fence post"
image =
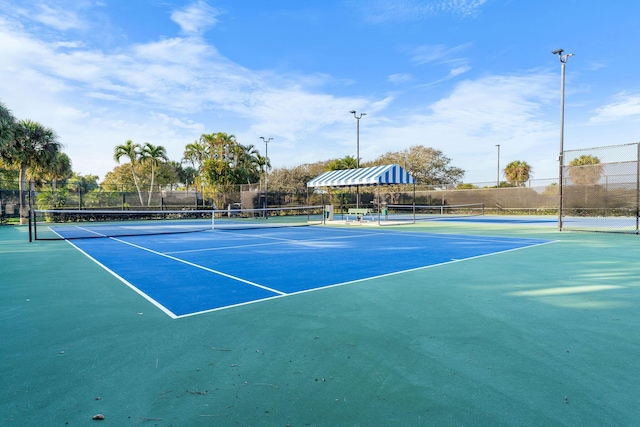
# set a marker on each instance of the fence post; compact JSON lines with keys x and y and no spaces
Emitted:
{"x":637,"y":187}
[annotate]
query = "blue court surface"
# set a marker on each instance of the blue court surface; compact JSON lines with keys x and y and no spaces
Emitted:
{"x":192,"y":273}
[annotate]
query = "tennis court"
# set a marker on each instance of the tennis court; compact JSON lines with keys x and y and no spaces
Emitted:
{"x":461,"y":322}
{"x":185,"y":274}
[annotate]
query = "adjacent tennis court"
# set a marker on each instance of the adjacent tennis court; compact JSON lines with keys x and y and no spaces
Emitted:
{"x":192,"y":273}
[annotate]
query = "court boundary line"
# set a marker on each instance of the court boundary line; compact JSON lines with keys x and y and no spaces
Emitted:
{"x":274,"y":241}
{"x":210,"y":270}
{"x":127,"y":283}
{"x":380,"y":276}
{"x":157,"y":303}
{"x":360,"y":234}
{"x":280,"y":294}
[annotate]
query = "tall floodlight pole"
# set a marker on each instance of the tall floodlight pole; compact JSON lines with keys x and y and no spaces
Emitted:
{"x":563,"y":61}
{"x":266,"y":171}
{"x":357,"y":150}
{"x":498,"y":181}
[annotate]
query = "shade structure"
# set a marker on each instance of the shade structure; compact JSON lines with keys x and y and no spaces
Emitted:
{"x":376,"y":175}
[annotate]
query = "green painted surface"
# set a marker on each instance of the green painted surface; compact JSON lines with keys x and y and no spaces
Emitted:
{"x":548,"y":335}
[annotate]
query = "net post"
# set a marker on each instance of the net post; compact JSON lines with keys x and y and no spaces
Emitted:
{"x":35,"y":225}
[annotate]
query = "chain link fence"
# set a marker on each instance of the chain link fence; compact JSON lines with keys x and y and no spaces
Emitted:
{"x":9,"y":206}
{"x":250,"y":196}
{"x":601,"y":189}
{"x":600,"y":192}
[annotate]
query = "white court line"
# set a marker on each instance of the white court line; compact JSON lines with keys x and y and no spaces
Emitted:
{"x":424,"y":267}
{"x":281,"y":294}
{"x":395,"y":273}
{"x":82,"y":228}
{"x":130,"y":285}
{"x":200,"y":267}
{"x":277,"y":241}
{"x":354,"y":234}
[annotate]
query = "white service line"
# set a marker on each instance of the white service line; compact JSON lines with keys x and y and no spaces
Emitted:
{"x":200,"y":267}
{"x":275,"y":241}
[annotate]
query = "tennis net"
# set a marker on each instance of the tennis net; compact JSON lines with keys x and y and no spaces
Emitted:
{"x":57,"y":224}
{"x":415,"y":213}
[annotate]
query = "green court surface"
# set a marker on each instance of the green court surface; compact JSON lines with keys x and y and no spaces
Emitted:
{"x":544,"y":336}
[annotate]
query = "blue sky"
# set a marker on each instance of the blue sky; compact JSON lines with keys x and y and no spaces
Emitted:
{"x":457,"y":75}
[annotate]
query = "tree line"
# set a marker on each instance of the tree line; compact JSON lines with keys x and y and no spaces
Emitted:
{"x":30,"y":151}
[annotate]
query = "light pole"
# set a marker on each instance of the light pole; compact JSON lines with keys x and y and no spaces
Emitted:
{"x":266,"y":172}
{"x":563,"y":61}
{"x":498,"y":181}
{"x":357,"y":150}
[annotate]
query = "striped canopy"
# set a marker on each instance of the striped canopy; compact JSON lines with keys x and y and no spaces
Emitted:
{"x":376,"y":175}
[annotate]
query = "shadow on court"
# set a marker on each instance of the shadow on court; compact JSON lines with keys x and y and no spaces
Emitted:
{"x":542,"y":336}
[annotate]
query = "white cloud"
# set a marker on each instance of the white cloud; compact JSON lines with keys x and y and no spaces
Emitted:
{"x":57,"y":18}
{"x":400,"y":78}
{"x":378,"y":11}
{"x":196,"y":17}
{"x":499,"y":107}
{"x":456,"y":71}
{"x":437,"y":53}
{"x":171,"y":90}
{"x":476,"y":115}
{"x":440,"y":54}
{"x":596,"y":65}
{"x":167,"y":92}
{"x":625,"y":106}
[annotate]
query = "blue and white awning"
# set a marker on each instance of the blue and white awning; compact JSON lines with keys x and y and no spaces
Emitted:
{"x":376,"y":175}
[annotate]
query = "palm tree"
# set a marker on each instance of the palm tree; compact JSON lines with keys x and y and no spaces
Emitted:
{"x":215,"y":163}
{"x":7,"y":125}
{"x":61,"y":169}
{"x":347,"y":162}
{"x":244,"y":166}
{"x":32,"y":146}
{"x":153,"y":155}
{"x":585,"y":170}
{"x":132,"y":152}
{"x":264,"y":164}
{"x":187,"y":176}
{"x":518,"y":172}
{"x":195,"y":153}
{"x":58,"y":169}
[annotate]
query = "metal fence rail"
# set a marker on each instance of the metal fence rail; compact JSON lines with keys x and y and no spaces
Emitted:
{"x":600,"y":192}
{"x":604,"y":195}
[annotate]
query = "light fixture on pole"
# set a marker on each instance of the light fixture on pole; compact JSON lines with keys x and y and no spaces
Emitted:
{"x":563,"y":61}
{"x":357,"y":150}
{"x":266,"y":172}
